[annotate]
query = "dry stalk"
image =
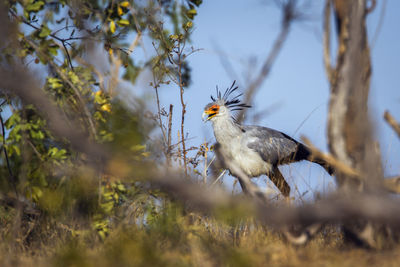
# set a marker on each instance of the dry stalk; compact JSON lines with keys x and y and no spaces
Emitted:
{"x":181,"y":91}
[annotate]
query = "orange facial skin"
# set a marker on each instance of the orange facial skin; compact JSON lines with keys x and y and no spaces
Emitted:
{"x":212,"y":111}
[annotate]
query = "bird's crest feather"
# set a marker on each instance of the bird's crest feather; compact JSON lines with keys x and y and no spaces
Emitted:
{"x":232,"y":103}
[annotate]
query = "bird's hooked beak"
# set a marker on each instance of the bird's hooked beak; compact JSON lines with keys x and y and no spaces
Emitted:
{"x":205,"y":117}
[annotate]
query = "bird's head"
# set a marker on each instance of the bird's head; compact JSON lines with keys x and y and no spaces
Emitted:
{"x":223,"y":104}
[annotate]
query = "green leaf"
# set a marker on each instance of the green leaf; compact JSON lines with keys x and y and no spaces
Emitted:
{"x":121,"y":187}
{"x":74,"y":78}
{"x":191,"y":13}
{"x":37,"y":135}
{"x":53,"y":49}
{"x":44,"y":32}
{"x":57,"y":154}
{"x":123,"y":22}
{"x":13,"y":120}
{"x":34,"y":7}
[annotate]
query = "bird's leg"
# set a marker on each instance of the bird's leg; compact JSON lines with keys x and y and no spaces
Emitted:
{"x":280,"y":182}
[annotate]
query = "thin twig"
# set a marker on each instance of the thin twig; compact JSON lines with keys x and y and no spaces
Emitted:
{"x":181,"y":91}
{"x":219,"y":177}
{"x":159,"y":114}
{"x":288,"y":16}
{"x":68,"y":56}
{"x":169,"y":131}
{"x":205,"y":162}
{"x":53,"y":35}
{"x":226,"y":64}
{"x":35,"y":150}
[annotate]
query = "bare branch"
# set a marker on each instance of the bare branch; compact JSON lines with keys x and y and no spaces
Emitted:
{"x":392,"y":184}
{"x":288,"y":16}
{"x":327,"y":40}
{"x":331,"y":160}
{"x":169,"y":131}
{"x":392,"y":122}
{"x":181,"y":91}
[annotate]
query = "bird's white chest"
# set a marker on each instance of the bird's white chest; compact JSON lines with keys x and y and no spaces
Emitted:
{"x":235,"y":149}
{"x":248,"y":160}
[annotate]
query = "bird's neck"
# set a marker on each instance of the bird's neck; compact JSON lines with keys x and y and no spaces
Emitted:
{"x":226,"y":130}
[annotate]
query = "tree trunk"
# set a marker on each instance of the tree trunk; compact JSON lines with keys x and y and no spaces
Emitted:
{"x":349,"y":129}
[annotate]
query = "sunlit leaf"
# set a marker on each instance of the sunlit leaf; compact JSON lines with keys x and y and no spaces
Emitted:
{"x":112,"y":26}
{"x":123,"y":22}
{"x":125,"y":4}
{"x":106,"y":107}
{"x":120,"y":11}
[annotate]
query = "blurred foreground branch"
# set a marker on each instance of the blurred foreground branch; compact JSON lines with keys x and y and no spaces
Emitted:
{"x":336,"y":208}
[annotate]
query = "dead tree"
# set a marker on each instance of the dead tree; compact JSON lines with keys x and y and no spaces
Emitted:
{"x":350,"y":132}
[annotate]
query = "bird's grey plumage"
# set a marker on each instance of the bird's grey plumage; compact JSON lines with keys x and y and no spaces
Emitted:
{"x":255,"y":150}
{"x":273,"y":146}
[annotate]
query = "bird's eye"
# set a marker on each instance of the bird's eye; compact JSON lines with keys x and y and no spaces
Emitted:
{"x":214,"y":109}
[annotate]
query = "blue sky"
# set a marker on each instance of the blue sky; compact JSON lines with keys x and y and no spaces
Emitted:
{"x":296,"y":92}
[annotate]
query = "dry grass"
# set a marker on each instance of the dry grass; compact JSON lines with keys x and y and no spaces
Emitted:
{"x":177,"y":238}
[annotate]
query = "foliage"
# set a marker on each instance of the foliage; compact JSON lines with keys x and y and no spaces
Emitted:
{"x":54,"y":38}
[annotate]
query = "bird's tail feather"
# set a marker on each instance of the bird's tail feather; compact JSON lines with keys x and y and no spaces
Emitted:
{"x":304,"y":153}
{"x":323,"y":164}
